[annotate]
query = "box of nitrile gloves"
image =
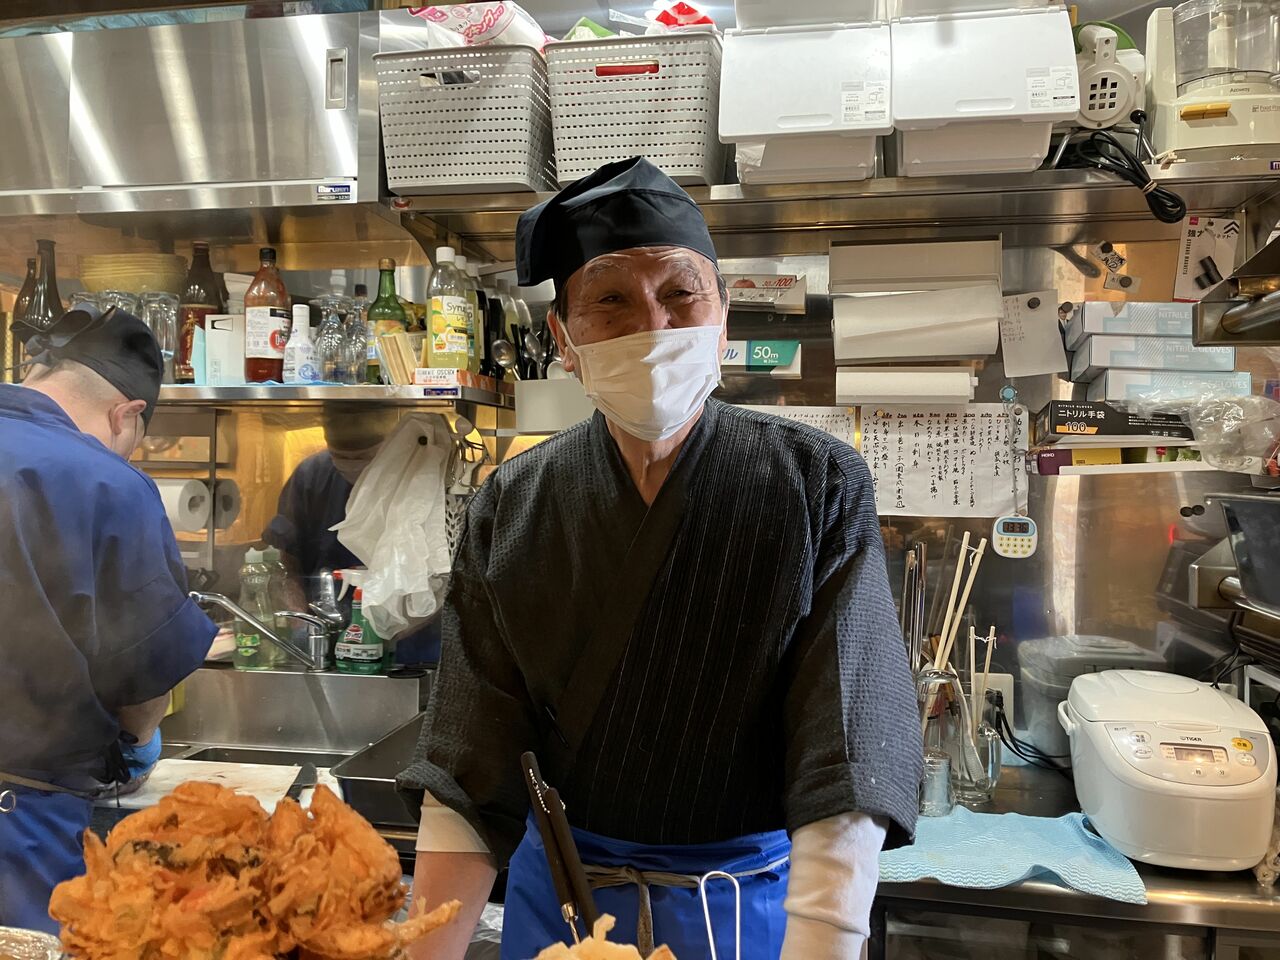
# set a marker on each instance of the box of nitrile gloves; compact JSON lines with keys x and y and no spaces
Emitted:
{"x":1162,"y":385}
{"x":1099,"y":352}
{"x":1084,"y":423}
{"x":1129,"y":319}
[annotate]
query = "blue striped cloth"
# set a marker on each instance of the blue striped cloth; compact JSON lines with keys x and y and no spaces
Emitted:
{"x":986,"y":851}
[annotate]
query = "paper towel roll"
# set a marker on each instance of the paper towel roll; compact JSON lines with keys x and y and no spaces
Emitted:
{"x":929,"y":385}
{"x":226,"y":504}
{"x":186,"y":502}
{"x":962,"y":322}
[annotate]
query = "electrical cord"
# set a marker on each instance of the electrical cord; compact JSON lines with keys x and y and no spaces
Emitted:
{"x":1028,"y":752}
{"x":1102,"y":150}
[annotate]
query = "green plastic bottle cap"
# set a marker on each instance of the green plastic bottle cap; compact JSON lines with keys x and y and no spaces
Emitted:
{"x":271,"y":555}
{"x":253,"y":556}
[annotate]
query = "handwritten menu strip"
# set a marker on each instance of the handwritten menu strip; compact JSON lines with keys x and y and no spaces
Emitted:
{"x":947,"y":462}
{"x":840,"y":422}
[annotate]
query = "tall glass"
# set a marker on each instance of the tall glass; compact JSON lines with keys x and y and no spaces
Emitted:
{"x":159,"y":311}
{"x":120,"y":299}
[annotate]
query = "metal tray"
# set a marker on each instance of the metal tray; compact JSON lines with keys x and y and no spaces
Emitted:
{"x":368,"y":778}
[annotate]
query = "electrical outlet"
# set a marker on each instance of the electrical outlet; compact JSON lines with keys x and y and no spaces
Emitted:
{"x":1003,"y":682}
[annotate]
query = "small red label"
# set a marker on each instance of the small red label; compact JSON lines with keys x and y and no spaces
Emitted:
{"x":354,"y":634}
{"x":278,"y":340}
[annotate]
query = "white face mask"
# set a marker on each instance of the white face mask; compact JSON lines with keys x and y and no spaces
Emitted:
{"x":651,"y":383}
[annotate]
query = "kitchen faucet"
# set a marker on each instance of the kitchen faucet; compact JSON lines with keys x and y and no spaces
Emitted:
{"x":322,"y":628}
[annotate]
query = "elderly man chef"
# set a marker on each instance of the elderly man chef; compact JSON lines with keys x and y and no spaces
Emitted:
{"x":682,"y":608}
{"x":97,"y":624}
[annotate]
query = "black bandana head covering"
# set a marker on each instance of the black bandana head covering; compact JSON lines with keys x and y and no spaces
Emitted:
{"x":115,"y":345}
{"x":622,"y":205}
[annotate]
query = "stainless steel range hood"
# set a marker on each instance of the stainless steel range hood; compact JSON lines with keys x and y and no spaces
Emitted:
{"x":241,"y":133}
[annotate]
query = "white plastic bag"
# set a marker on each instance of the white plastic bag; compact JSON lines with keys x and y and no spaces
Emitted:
{"x":395,"y":525}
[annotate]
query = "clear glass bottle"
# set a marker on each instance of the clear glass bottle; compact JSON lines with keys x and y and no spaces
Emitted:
{"x":447,"y":337}
{"x":332,"y":350}
{"x":385,"y":315}
{"x":266,"y":322}
{"x":253,"y":650}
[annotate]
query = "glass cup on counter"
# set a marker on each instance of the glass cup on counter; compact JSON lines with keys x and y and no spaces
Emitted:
{"x":159,"y":311}
{"x":948,"y":730}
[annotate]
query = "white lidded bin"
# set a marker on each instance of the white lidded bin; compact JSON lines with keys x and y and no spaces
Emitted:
{"x":657,"y":97}
{"x":466,"y":119}
{"x":806,"y":103}
{"x":979,"y":92}
{"x":1048,"y":665}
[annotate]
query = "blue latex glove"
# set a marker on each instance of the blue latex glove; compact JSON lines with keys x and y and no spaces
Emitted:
{"x":141,"y":758}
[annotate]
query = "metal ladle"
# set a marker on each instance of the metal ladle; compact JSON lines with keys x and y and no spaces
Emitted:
{"x":504,"y":352}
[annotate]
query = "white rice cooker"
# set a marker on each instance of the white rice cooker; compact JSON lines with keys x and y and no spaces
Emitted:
{"x":1171,"y":771}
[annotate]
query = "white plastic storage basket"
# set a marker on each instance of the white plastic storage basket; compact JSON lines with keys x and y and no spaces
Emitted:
{"x":657,"y":97}
{"x":465,"y":119}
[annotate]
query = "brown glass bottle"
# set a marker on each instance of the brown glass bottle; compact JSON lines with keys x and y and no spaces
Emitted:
{"x":266,"y":322}
{"x":9,"y":335}
{"x":201,"y":296}
{"x":45,"y":305}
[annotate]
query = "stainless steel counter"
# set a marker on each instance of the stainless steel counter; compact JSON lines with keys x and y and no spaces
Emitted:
{"x":1175,"y":897}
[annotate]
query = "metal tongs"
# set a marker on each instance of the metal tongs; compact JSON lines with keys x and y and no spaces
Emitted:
{"x":567,"y":874}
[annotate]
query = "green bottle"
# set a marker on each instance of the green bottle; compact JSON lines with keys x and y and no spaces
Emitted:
{"x":360,"y":650}
{"x":385,"y":315}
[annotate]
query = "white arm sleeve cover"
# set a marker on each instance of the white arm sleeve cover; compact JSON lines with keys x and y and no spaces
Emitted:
{"x":443,"y":830}
{"x":834,"y":872}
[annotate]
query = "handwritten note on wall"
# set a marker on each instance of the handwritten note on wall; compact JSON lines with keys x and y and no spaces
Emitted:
{"x":947,"y":462}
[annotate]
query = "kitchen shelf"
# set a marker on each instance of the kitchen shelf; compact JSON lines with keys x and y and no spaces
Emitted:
{"x":177,"y":394}
{"x":1046,"y":207}
{"x":1098,"y":469}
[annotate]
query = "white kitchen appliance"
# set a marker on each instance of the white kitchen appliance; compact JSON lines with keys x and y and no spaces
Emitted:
{"x":1211,"y":69}
{"x":1171,"y":771}
{"x":978,"y":91}
{"x":1112,"y":77}
{"x":805,"y":89}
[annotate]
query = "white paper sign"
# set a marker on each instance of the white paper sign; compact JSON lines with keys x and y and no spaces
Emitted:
{"x":1206,"y":255}
{"x":1030,"y":336}
{"x":944,"y":461}
{"x":840,"y":422}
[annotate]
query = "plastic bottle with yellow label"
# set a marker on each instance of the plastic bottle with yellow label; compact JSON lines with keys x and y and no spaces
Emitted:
{"x":447,"y":341}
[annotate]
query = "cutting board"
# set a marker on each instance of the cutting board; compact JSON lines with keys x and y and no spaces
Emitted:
{"x":267,"y":783}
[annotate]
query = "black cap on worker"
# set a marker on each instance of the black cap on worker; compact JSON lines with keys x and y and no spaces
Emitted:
{"x":115,"y":345}
{"x":622,"y":205}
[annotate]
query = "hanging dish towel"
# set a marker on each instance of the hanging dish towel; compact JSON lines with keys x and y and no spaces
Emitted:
{"x":985,"y":851}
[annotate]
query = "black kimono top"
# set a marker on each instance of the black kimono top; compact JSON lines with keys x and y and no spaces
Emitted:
{"x":725,"y":662}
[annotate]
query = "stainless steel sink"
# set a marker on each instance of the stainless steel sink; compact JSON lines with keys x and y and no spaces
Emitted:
{"x":286,"y":758}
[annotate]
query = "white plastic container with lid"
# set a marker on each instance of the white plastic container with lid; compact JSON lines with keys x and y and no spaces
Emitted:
{"x":979,"y":91}
{"x":1048,"y":665}
{"x":806,"y":89}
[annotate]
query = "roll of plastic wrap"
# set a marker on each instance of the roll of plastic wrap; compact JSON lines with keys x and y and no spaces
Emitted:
{"x":186,"y":502}
{"x":226,"y":504}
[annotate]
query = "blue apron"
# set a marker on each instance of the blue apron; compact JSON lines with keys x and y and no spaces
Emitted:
{"x":40,"y":846}
{"x":532,"y":919}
